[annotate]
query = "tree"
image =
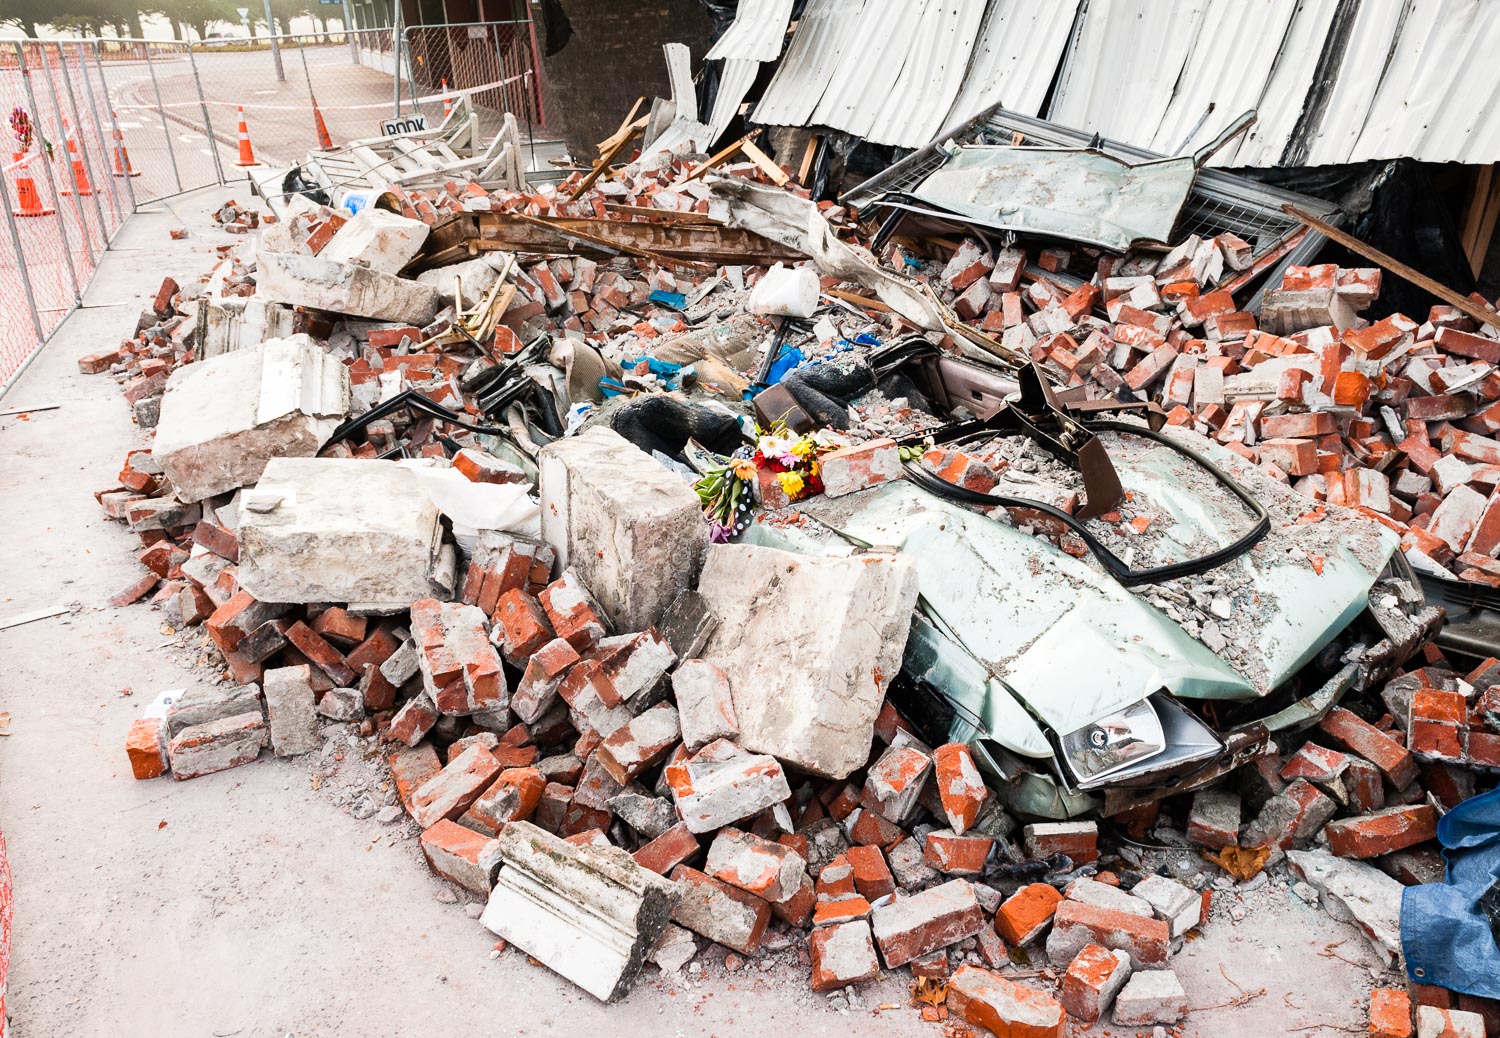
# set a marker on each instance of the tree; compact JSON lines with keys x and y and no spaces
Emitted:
{"x":25,"y":14}
{"x":202,"y":15}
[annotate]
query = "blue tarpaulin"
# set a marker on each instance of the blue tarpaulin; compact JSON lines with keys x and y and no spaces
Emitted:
{"x":1445,"y":934}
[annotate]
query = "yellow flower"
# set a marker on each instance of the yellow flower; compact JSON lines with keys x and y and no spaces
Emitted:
{"x":802,"y":448}
{"x":791,"y":482}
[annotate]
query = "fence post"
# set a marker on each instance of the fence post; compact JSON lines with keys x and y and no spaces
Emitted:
{"x":116,"y":142}
{"x":15,"y":242}
{"x":83,"y":222}
{"x":208,"y":124}
{"x":83,"y":148}
{"x":161,"y":113}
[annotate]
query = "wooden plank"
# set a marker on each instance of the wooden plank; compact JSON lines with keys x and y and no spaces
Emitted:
{"x":598,"y":171}
{"x":1479,"y":223}
{"x":718,"y":158}
{"x":808,"y":154}
{"x":1395,"y":266}
{"x":630,"y":125}
{"x":674,"y":215}
{"x":864,"y":301}
{"x":776,"y":173}
{"x":680,"y":242}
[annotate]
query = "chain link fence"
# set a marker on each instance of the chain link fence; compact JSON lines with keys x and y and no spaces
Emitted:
{"x":103,"y":127}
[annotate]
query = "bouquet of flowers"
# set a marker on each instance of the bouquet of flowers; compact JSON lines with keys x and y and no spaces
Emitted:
{"x":787,"y":459}
{"x":21,"y":128}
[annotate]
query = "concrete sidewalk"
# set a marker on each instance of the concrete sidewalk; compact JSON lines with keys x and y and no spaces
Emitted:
{"x":251,"y":903}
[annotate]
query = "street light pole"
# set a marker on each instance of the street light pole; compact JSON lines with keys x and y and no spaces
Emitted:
{"x":275,"y":44}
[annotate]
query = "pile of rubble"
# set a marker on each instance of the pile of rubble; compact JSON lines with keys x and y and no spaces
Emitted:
{"x":626,"y":738}
{"x":1395,"y":418}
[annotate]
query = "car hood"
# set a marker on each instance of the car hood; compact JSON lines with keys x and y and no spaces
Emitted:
{"x":1074,"y":644}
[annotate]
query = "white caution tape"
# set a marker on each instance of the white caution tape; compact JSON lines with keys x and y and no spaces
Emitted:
{"x":425,"y":99}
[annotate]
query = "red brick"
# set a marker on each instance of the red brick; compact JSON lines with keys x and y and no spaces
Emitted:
{"x":1025,"y":914}
{"x":668,"y":850}
{"x":960,"y":786}
{"x":327,"y":659}
{"x":1146,"y":940}
{"x":1004,"y":1008}
{"x":872,"y":876}
{"x":414,"y":720}
{"x":1363,"y":738}
{"x":572,"y":612}
{"x":146,"y":745}
{"x":957,"y":855}
{"x":1086,"y":987}
{"x":335,"y":624}
{"x":1383,"y":832}
{"x":841,"y":910}
{"x":461,"y":855}
{"x":853,"y":961}
{"x":410,"y":768}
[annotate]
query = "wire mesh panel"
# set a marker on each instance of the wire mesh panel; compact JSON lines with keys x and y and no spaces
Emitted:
{"x":53,"y":231}
{"x":494,"y":62}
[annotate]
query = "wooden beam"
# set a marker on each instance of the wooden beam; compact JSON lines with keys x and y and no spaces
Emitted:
{"x":1479,"y":224}
{"x":864,"y":301}
{"x":604,"y":161}
{"x":808,"y":154}
{"x":670,"y":215}
{"x":1395,"y":266}
{"x":776,"y":173}
{"x":625,"y":127}
{"x":718,"y":157}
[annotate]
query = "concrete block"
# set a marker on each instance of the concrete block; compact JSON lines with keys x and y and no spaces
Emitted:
{"x":341,"y":530}
{"x":202,"y":705}
{"x":291,"y":707}
{"x":1179,"y":905}
{"x":811,"y":700}
{"x":217,"y":746}
{"x":1356,"y":893}
{"x":223,"y":418}
{"x":631,"y":529}
{"x":323,"y":284}
{"x":588,"y":913}
{"x":475,"y":276}
{"x":1151,"y":997}
{"x":705,"y":704}
{"x":1435,"y":1022}
{"x":381,"y":240}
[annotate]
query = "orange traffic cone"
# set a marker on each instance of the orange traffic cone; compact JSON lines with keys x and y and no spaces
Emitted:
{"x":80,"y":172}
{"x":247,"y":157}
{"x":447,"y":101}
{"x":28,"y":200}
{"x":325,"y":142}
{"x":122,"y":157}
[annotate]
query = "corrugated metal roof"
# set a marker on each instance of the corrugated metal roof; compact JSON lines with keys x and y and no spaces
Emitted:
{"x":1283,"y":96}
{"x":734,"y":83}
{"x":1440,"y":96}
{"x":826,"y":29}
{"x":1013,"y":61}
{"x":1333,"y":81}
{"x":756,"y":33}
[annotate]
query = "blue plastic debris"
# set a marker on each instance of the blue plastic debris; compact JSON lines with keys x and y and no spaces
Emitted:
{"x":784,"y":365}
{"x":1446,"y":936}
{"x":675,"y":300}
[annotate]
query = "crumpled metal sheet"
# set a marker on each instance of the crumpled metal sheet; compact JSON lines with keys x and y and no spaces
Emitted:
{"x":796,"y":223}
{"x":1084,"y":196}
{"x":756,"y":33}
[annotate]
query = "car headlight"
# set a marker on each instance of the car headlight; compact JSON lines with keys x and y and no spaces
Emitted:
{"x":1100,"y":749}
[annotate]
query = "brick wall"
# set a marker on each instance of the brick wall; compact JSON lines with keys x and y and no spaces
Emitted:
{"x":613,"y":58}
